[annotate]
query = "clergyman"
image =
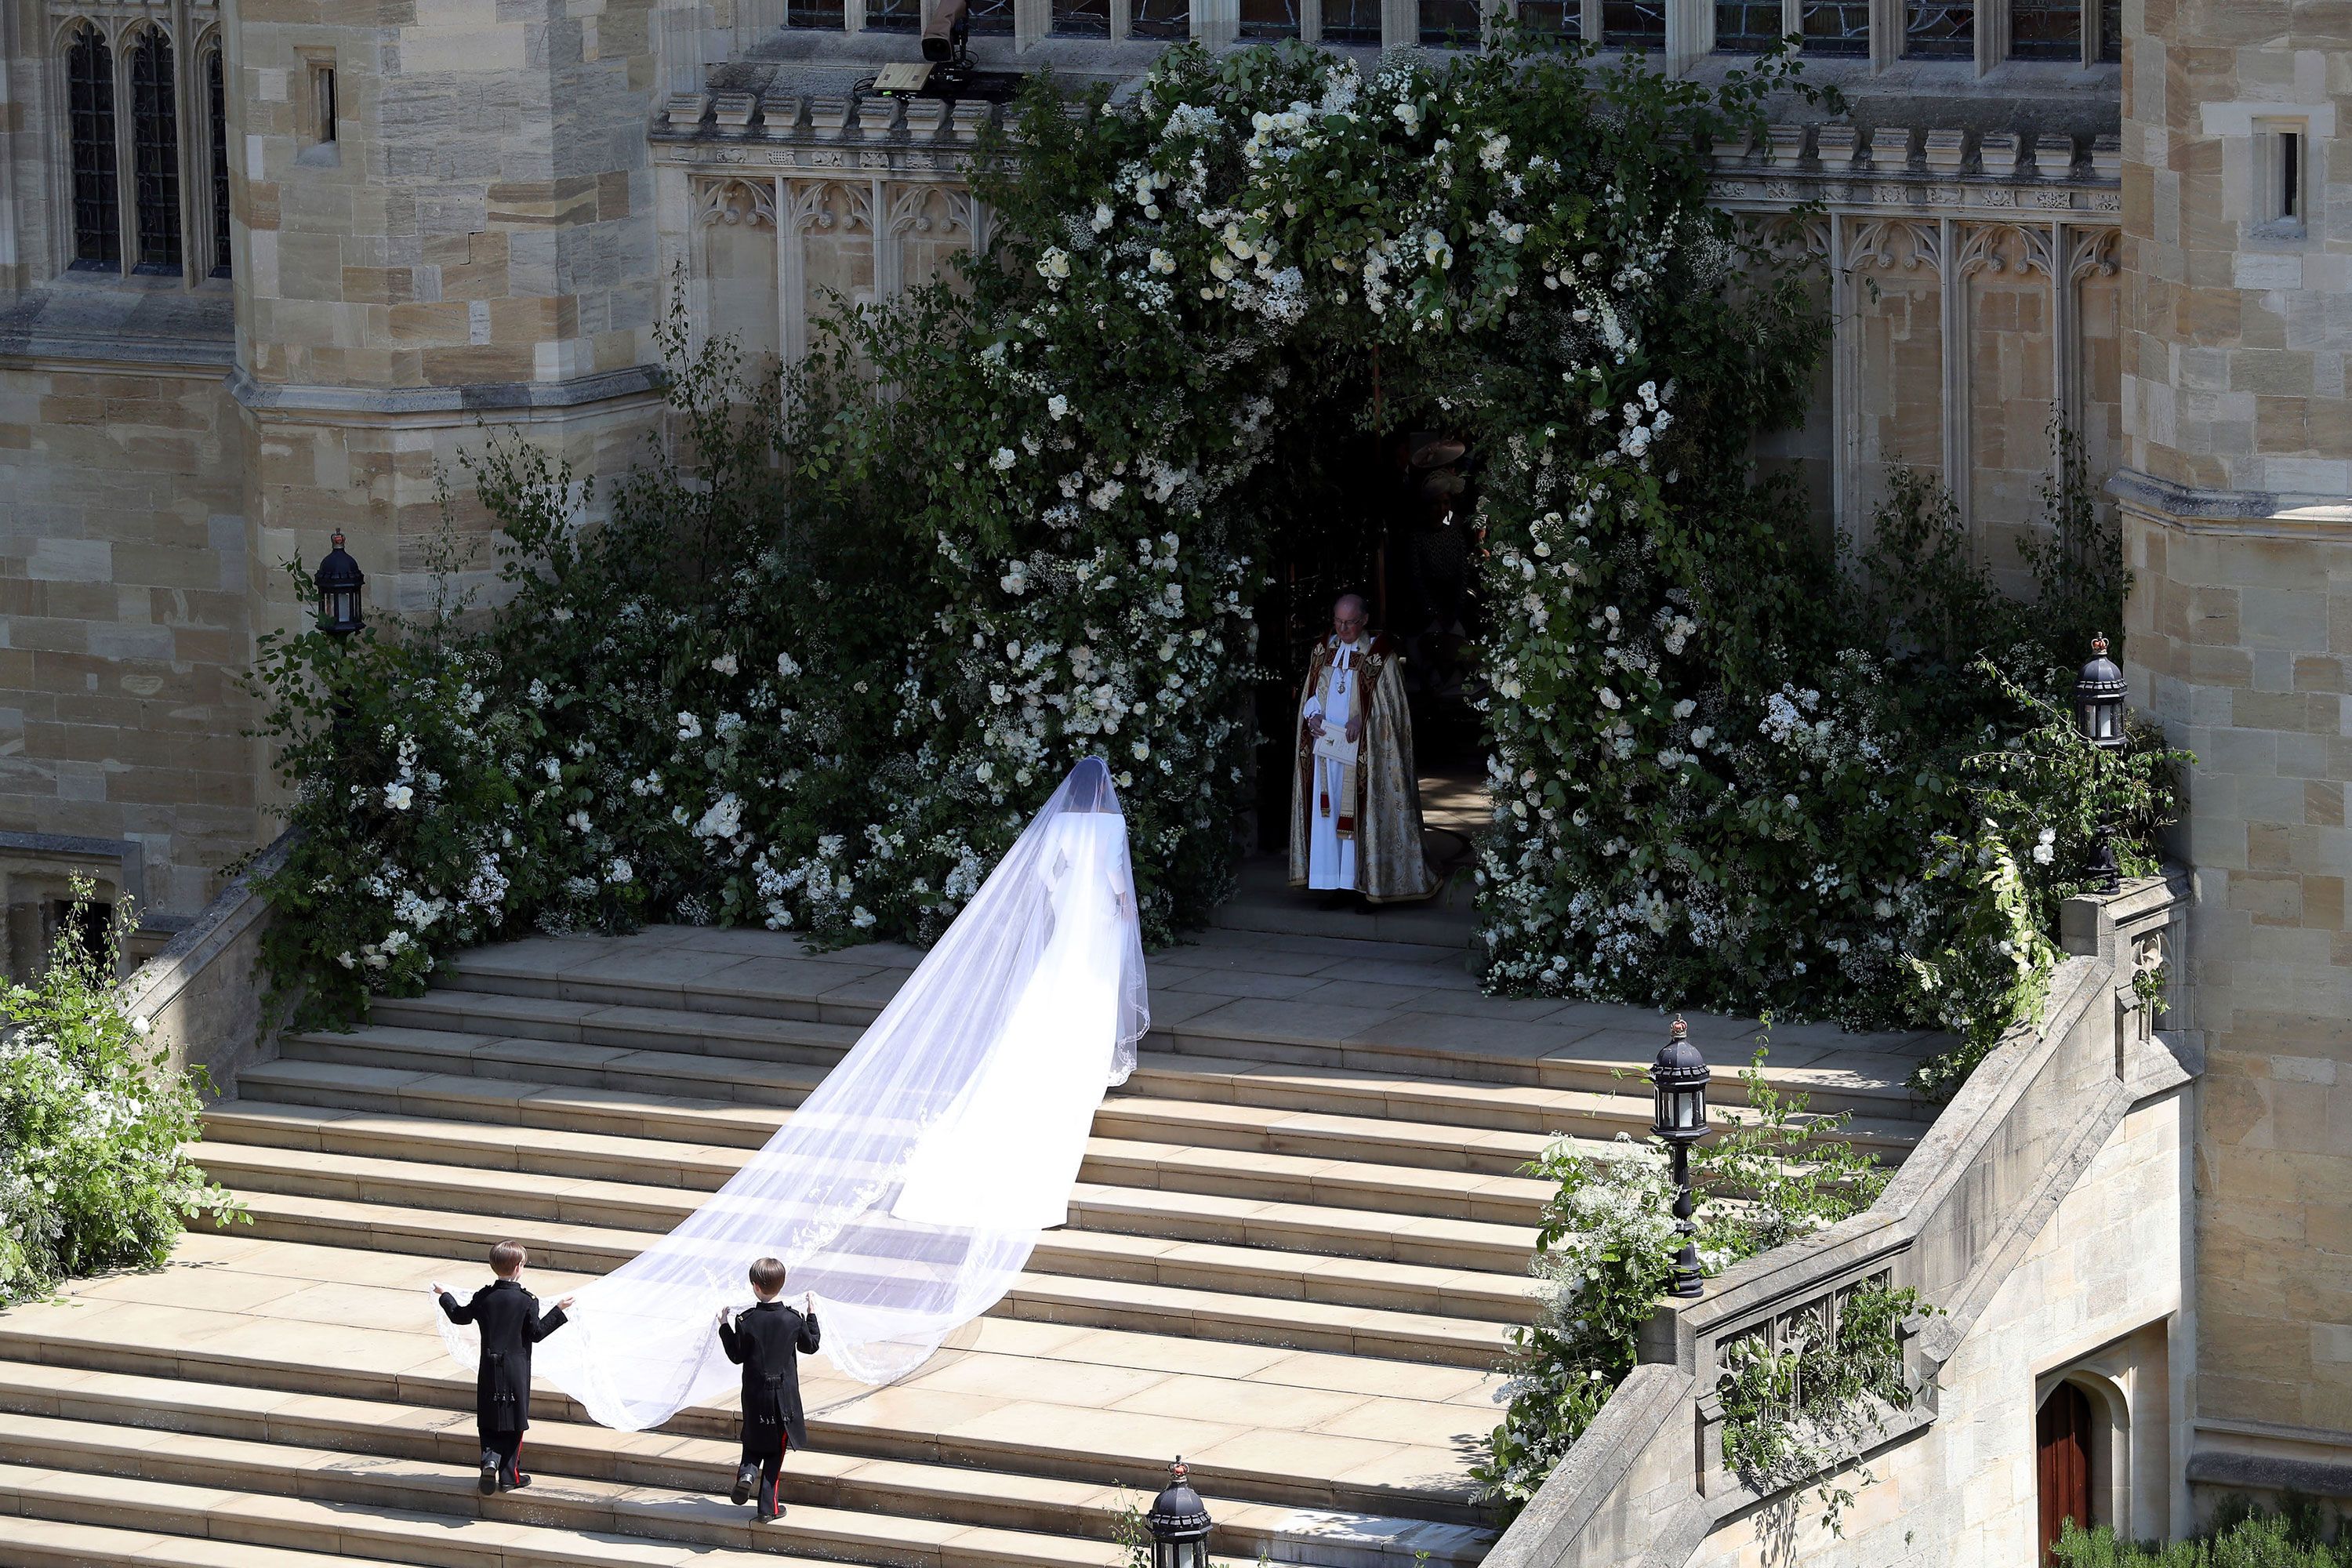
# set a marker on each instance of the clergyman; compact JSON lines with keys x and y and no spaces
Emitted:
{"x":1355,"y":809}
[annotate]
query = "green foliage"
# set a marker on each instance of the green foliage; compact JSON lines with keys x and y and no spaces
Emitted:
{"x":2039,"y":801}
{"x":1849,"y":823}
{"x":2298,"y":1536}
{"x":810,"y":662}
{"x":816,"y":657}
{"x":1605,"y":1249}
{"x":1795,"y":1411}
{"x":93,"y":1121}
{"x":1132,"y":1531}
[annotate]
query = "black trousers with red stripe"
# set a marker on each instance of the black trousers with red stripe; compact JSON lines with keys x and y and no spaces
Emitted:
{"x":506,"y":1444}
{"x":764,"y":1443}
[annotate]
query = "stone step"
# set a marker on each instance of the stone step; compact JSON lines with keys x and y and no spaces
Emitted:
{"x":61,"y":1519}
{"x":1525,"y":1109}
{"x":673,"y":1516}
{"x":1222,"y":1257}
{"x":1149,"y":1304}
{"x":1151,"y":1158}
{"x":1302,"y":1429}
{"x":1379,"y":1014}
{"x":543,"y":1123}
{"x":953,"y":1494}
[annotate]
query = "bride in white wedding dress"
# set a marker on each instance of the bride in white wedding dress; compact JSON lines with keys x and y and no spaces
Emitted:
{"x":907,"y":1193}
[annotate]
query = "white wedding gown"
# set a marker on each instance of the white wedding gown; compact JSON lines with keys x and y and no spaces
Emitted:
{"x":907,"y":1191}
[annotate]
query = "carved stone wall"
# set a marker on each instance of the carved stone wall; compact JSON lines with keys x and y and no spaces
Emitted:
{"x":2003,"y":254}
{"x":2237,"y":494}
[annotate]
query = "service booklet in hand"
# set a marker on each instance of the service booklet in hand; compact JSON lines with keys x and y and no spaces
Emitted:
{"x":1332,"y":746}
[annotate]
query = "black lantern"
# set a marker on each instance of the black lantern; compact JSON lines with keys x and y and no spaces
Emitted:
{"x":1178,"y":1523}
{"x":1680,"y":1077}
{"x":339,"y":580}
{"x":2099,"y":693}
{"x":2099,"y":715}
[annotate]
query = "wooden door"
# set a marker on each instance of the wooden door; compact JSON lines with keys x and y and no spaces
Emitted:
{"x":2063,"y":1463}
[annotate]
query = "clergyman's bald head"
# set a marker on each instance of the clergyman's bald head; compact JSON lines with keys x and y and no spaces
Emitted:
{"x":1347,"y":618}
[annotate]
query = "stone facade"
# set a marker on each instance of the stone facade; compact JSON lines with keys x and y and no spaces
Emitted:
{"x":444,"y":221}
{"x":446,"y":217}
{"x":2237,"y":487}
{"x":2096,"y":1299}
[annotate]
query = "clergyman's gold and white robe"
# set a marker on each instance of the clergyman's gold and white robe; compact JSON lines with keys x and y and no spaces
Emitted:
{"x":1357,"y":823}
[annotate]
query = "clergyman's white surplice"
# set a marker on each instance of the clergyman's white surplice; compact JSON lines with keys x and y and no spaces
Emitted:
{"x":907,"y":1193}
{"x":1331,"y":859}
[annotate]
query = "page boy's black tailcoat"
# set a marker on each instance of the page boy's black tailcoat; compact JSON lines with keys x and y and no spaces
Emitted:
{"x":508,"y":1318}
{"x":768,"y":1341}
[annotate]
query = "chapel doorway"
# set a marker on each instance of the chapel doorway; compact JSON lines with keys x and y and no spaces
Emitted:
{"x":1386,"y":515}
{"x":2063,"y":1464}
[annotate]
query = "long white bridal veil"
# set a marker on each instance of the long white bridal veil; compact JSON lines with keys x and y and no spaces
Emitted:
{"x":907,"y":1193}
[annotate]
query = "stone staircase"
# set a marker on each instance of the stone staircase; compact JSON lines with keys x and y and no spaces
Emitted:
{"x":1300,"y":1241}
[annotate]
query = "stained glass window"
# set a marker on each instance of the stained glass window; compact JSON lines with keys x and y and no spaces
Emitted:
{"x":2045,"y":30}
{"x":216,"y":110}
{"x":1269,"y":18}
{"x":1633,"y":24}
{"x":2111,"y":29}
{"x":1542,"y":19}
{"x":991,"y":17}
{"x":1082,"y":18}
{"x":1747,"y":26}
{"x":1836,"y":27}
{"x":1159,"y":19}
{"x":1453,"y":22}
{"x":893,"y":15}
{"x":155,"y":151}
{"x":1351,"y":21}
{"x":90,"y":95}
{"x":825,"y":14}
{"x":1940,"y":29}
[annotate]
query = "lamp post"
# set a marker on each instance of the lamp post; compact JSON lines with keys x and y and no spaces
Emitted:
{"x":1680,"y":1077}
{"x":1178,"y":1524}
{"x":2099,"y":694}
{"x":339,"y":580}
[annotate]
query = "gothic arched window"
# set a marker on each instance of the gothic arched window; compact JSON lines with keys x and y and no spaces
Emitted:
{"x":155,"y":150}
{"x":217,"y":110}
{"x":89,"y":103}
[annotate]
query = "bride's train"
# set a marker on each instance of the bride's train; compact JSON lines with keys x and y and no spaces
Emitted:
{"x":907,"y":1193}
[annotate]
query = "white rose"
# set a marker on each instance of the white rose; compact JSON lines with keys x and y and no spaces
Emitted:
{"x":398,"y":797}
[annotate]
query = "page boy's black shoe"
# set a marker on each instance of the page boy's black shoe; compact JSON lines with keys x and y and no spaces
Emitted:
{"x":746,"y":1477}
{"x":490,"y":1472}
{"x":517,"y":1483}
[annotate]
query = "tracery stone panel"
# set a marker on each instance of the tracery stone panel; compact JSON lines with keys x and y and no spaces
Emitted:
{"x":829,"y":254}
{"x":2008,"y":296}
{"x":929,"y":226}
{"x":2094,"y":353}
{"x":1894,"y":292}
{"x":738,"y":223}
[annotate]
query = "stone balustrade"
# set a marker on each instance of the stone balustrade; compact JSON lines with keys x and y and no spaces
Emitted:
{"x":1647,"y":1481}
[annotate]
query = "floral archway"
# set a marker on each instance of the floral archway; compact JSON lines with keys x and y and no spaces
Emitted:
{"x":813,"y":673}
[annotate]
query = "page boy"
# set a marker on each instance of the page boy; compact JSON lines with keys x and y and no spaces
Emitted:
{"x":508,"y":1318}
{"x":768,"y":1341}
